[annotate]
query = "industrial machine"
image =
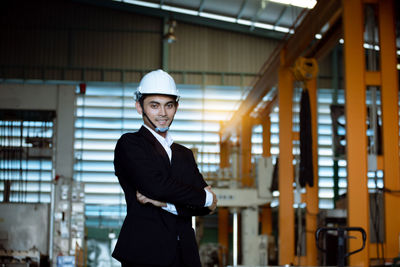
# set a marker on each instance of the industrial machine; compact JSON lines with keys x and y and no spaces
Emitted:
{"x":42,"y":214}
{"x":246,"y":203}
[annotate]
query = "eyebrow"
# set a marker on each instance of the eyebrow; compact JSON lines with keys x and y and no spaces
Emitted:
{"x":156,"y":102}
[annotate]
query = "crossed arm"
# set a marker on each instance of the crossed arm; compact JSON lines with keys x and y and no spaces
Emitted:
{"x":144,"y":200}
{"x":157,"y":188}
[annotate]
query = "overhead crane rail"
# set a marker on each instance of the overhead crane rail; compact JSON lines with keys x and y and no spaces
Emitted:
{"x":326,"y":12}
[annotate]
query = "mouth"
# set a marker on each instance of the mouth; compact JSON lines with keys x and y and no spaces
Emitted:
{"x":162,"y":122}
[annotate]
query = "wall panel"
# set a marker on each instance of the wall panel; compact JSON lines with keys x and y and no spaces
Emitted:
{"x":73,"y":75}
{"x":116,"y":50}
{"x":49,"y":35}
{"x":65,"y":40}
{"x":207,"y":49}
{"x":33,"y":47}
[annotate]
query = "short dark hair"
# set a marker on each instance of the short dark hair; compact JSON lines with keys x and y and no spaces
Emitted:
{"x":143,"y":96}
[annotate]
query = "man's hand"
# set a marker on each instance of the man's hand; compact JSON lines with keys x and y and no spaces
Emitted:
{"x":143,"y":200}
{"x":215,"y":200}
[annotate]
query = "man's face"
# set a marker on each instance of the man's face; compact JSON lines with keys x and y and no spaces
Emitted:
{"x":160,"y":109}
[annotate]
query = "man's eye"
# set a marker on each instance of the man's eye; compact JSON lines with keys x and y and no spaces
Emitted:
{"x":153,"y":106}
{"x":170,"y":105}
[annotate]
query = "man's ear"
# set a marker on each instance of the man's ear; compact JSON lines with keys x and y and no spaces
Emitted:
{"x":138,"y":107}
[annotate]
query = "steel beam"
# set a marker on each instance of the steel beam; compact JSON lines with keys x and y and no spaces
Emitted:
{"x":201,"y":7}
{"x":266,"y":81}
{"x":286,"y":212}
{"x":330,"y":39}
{"x":223,"y":233}
{"x":224,"y":155}
{"x":390,"y":117}
{"x":278,"y":21}
{"x":309,"y":27}
{"x":263,"y":6}
{"x":241,"y":10}
{"x":356,"y":138}
{"x":245,"y":147}
{"x":197,"y":20}
{"x":312,"y":192}
{"x":264,"y":112}
{"x":266,"y":220}
{"x":294,"y":47}
{"x":266,"y":136}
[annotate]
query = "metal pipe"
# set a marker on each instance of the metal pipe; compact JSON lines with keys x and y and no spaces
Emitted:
{"x":53,"y":195}
{"x":235,"y":237}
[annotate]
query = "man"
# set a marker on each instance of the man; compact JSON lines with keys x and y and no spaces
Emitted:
{"x":162,"y":185}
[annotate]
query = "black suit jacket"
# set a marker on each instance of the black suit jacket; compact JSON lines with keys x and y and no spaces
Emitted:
{"x":149,"y":234}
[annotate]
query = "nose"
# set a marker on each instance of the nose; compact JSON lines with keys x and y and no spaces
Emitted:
{"x":163,"y":111}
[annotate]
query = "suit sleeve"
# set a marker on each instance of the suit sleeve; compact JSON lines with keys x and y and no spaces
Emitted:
{"x":185,"y":211}
{"x":134,"y":163}
{"x":192,"y":171}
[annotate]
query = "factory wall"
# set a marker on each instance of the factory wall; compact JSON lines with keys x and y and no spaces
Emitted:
{"x":206,"y":49}
{"x":64,"y":40}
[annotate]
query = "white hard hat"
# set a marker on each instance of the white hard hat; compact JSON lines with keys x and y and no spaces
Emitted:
{"x":157,"y":82}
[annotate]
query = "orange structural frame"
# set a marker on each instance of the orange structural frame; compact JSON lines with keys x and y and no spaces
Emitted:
{"x":355,"y":95}
{"x":312,"y":192}
{"x":390,"y":125}
{"x":223,"y":232}
{"x":245,"y":145}
{"x":286,"y":213}
{"x":266,"y":136}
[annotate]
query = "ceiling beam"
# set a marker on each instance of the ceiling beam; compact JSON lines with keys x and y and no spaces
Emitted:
{"x":263,"y":6}
{"x":267,"y":80}
{"x":201,"y":7}
{"x":304,"y":35}
{"x":329,"y":40}
{"x":190,"y":19}
{"x":318,"y":51}
{"x":309,"y":27}
{"x":268,"y":106}
{"x":241,"y":10}
{"x":278,"y":21}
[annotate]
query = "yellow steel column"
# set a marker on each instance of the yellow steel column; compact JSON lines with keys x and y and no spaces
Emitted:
{"x":354,"y":64}
{"x":245,"y":146}
{"x":223,"y":232}
{"x":312,"y":192}
{"x":223,"y":213}
{"x":223,"y":152}
{"x":390,"y":118}
{"x":266,"y":136}
{"x":266,"y":220}
{"x":286,"y":213}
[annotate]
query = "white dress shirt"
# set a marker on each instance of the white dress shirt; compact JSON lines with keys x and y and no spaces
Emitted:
{"x":166,"y":144}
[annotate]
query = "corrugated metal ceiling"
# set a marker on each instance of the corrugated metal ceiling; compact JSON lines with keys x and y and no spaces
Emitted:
{"x":260,"y":17}
{"x":253,"y":10}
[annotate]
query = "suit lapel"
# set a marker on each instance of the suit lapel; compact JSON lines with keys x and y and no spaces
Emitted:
{"x":158,"y":148}
{"x":176,"y":156}
{"x":176,"y":162}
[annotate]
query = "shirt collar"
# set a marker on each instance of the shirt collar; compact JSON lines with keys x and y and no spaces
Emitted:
{"x":167,"y":140}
